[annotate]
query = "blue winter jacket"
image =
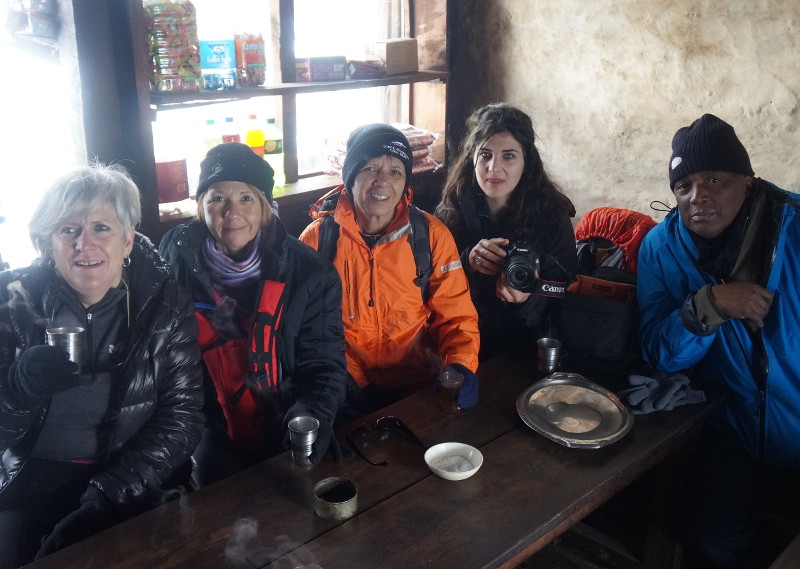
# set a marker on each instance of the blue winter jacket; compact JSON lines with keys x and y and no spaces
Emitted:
{"x":766,"y":419}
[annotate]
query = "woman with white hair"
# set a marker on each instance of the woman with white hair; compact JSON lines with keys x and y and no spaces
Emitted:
{"x":82,"y":449}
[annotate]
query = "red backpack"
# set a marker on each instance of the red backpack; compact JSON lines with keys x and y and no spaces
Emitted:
{"x":610,"y":237}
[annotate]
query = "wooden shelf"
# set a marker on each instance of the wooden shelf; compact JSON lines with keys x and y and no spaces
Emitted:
{"x":166,"y":100}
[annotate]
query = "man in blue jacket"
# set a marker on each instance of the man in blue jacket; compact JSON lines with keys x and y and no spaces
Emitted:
{"x":718,"y":284}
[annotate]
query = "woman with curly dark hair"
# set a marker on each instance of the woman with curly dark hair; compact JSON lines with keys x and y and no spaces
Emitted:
{"x":498,"y":194}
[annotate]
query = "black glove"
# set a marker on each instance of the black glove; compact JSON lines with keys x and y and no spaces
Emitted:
{"x":40,"y":372}
{"x":95,"y":514}
{"x":326,"y":443}
{"x":468,"y":393}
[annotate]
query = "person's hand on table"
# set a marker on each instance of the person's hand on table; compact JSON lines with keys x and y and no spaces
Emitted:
{"x":468,"y":393}
{"x":95,"y":514}
{"x":488,"y":256}
{"x":747,"y":301}
{"x":326,"y":442}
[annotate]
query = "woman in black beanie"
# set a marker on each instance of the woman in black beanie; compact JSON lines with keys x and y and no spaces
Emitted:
{"x":400,"y":332}
{"x":269,"y":312}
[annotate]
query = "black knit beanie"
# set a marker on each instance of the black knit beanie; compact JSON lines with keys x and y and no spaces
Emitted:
{"x":235,"y":162}
{"x":372,"y":140}
{"x":708,"y":144}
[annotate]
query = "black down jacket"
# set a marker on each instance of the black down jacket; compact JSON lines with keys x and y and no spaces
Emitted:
{"x":310,"y":339}
{"x":158,"y":395}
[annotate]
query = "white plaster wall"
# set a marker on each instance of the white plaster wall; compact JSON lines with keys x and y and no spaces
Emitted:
{"x":608,"y":82}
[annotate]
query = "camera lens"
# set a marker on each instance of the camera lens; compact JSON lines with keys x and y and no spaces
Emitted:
{"x":520,"y":276}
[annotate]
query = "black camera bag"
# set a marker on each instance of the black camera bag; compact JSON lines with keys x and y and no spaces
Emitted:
{"x":597,"y":319}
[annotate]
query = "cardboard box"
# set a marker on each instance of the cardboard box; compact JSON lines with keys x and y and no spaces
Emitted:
{"x":321,"y":68}
{"x":399,"y":55}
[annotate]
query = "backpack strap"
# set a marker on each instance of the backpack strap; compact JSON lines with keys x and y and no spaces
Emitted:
{"x":328,"y":229}
{"x":328,"y":235}
{"x":263,"y":339}
{"x":421,"y":247}
{"x":419,"y":239}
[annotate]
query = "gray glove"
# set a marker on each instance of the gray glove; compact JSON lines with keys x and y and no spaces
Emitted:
{"x":663,"y":392}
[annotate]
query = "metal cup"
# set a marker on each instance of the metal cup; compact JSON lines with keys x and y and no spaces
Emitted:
{"x":450,"y":383}
{"x":72,"y":339}
{"x":548,"y":354}
{"x":335,"y":498}
{"x":302,"y":434}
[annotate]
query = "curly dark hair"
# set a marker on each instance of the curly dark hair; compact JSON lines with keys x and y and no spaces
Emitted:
{"x":535,"y":198}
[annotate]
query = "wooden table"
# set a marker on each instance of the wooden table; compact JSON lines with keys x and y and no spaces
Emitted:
{"x":789,"y":557}
{"x":529,"y":491}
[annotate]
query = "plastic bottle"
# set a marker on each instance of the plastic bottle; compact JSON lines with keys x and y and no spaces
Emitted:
{"x":173,"y":45}
{"x":273,"y":151}
{"x":229,"y":132}
{"x":254,"y":135}
{"x":210,"y":136}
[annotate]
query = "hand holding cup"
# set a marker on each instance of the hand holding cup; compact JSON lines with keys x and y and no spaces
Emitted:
{"x":40,"y":372}
{"x":302,"y":434}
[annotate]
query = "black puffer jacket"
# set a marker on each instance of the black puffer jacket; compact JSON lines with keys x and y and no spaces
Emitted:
{"x":504,"y":325}
{"x":310,"y":337}
{"x":158,"y":393}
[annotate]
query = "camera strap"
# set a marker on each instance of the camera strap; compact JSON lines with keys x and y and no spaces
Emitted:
{"x":551,"y":289}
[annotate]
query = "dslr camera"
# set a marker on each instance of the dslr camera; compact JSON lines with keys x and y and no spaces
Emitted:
{"x":522,"y":267}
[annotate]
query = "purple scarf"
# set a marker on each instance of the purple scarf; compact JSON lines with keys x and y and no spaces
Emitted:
{"x":226,"y":271}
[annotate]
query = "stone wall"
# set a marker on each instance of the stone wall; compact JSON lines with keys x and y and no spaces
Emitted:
{"x":608,"y":82}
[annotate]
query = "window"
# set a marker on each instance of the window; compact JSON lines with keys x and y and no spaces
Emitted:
{"x":323,"y":28}
{"x":36,"y":145}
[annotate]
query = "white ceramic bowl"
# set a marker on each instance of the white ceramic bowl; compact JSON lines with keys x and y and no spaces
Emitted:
{"x":453,"y":461}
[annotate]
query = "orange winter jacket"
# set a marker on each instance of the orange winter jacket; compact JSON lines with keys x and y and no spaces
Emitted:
{"x":392,"y":338}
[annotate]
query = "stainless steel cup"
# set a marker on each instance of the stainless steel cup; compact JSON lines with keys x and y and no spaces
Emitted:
{"x":302,"y":434}
{"x":548,"y":355}
{"x":72,"y":339}
{"x":335,"y":498}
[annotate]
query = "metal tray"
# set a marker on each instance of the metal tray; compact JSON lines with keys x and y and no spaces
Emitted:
{"x":573,"y":411}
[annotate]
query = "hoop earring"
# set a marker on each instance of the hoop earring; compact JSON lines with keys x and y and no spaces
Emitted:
{"x":126,"y":262}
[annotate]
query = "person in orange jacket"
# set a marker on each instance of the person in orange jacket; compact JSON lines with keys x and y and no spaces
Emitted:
{"x":396,"y":342}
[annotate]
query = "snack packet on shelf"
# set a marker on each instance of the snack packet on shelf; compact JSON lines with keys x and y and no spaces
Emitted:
{"x":419,"y":139}
{"x":251,"y":59}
